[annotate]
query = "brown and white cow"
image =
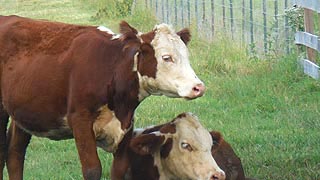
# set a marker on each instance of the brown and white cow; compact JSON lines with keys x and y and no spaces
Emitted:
{"x":65,"y":81}
{"x":143,"y":164}
{"x":180,"y":149}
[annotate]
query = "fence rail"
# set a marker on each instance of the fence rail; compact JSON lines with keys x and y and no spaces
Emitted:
{"x":309,"y":4}
{"x":308,"y":38}
{"x":260,"y":25}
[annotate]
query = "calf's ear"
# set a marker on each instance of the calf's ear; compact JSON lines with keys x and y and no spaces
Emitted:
{"x":185,"y":35}
{"x":146,"y":144}
{"x":148,"y":37}
{"x":216,"y":137}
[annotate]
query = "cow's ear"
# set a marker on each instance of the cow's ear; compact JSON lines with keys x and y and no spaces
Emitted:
{"x":216,"y":137}
{"x":147,"y":37}
{"x":166,"y":148}
{"x":146,"y":144}
{"x":185,"y":35}
{"x":126,"y":28}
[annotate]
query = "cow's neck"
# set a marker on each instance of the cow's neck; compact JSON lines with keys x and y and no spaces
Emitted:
{"x":146,"y":86}
{"x":143,"y":80}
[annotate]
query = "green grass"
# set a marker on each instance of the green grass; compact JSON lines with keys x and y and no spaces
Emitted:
{"x":267,"y":109}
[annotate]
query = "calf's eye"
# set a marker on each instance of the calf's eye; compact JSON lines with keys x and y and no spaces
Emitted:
{"x":167,"y":58}
{"x":186,"y":146}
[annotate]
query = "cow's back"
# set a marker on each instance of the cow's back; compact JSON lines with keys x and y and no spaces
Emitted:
{"x":25,"y":37}
{"x":37,"y":61}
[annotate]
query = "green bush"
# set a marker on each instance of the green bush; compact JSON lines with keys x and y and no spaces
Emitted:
{"x":114,"y":9}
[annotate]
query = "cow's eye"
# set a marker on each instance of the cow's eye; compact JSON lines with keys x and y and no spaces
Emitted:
{"x":167,"y":58}
{"x":186,"y":146}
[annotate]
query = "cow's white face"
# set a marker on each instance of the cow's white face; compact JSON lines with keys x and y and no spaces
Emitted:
{"x":185,"y":153}
{"x":174,"y":75}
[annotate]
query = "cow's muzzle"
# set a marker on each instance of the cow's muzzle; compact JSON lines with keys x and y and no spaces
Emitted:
{"x":197,"y":91}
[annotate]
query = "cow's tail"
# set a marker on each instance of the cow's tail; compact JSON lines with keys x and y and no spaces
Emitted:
{"x":4,"y":118}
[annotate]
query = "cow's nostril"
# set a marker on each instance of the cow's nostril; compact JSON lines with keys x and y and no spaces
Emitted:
{"x":214,"y":178}
{"x":219,"y":175}
{"x":198,"y":90}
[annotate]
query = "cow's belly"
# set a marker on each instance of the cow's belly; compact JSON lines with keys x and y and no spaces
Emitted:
{"x":106,"y":127}
{"x":55,"y":129}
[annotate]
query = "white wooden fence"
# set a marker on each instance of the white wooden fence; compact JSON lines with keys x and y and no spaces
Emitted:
{"x":308,"y":38}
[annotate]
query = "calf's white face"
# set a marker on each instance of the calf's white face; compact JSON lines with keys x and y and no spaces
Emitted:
{"x":174,"y":76}
{"x":181,"y":150}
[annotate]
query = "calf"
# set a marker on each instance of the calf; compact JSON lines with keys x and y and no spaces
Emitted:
{"x":64,"y":81}
{"x":180,"y":149}
{"x":145,"y":164}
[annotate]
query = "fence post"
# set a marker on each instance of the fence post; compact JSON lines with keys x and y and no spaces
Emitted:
{"x":251,"y":27}
{"x":243,"y":20}
{"x":264,"y":7}
{"x":203,"y":11}
{"x":189,"y":13}
{"x":182,"y":13}
{"x":168,"y":11}
{"x":309,"y":27}
{"x":286,"y":28}
{"x":196,"y":15}
{"x":231,"y":19}
{"x":276,"y":12}
{"x":157,"y":10}
{"x":223,"y":15}
{"x":212,"y":18}
{"x":162,"y":10}
{"x":276,"y":23}
{"x":176,"y":13}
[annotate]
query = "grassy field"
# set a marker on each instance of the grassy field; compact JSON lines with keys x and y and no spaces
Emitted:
{"x":267,"y":109}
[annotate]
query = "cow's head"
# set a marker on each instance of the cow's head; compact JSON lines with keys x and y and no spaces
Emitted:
{"x":163,"y":63}
{"x":181,"y":150}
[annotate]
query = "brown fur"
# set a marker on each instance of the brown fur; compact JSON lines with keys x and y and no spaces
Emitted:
{"x":56,"y":76}
{"x":226,"y":158}
{"x":51,"y":70}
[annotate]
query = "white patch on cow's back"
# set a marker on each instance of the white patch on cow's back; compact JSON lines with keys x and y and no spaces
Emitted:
{"x":183,"y":164}
{"x":109,"y":31}
{"x":107,"y":129}
{"x":105,"y":29}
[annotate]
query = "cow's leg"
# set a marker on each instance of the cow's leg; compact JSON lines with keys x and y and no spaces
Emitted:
{"x":4,"y":118}
{"x":18,"y":141}
{"x":119,"y":168}
{"x":82,"y":126}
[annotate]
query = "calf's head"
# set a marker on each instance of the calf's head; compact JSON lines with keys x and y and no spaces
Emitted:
{"x":181,"y":150}
{"x":163,"y":63}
